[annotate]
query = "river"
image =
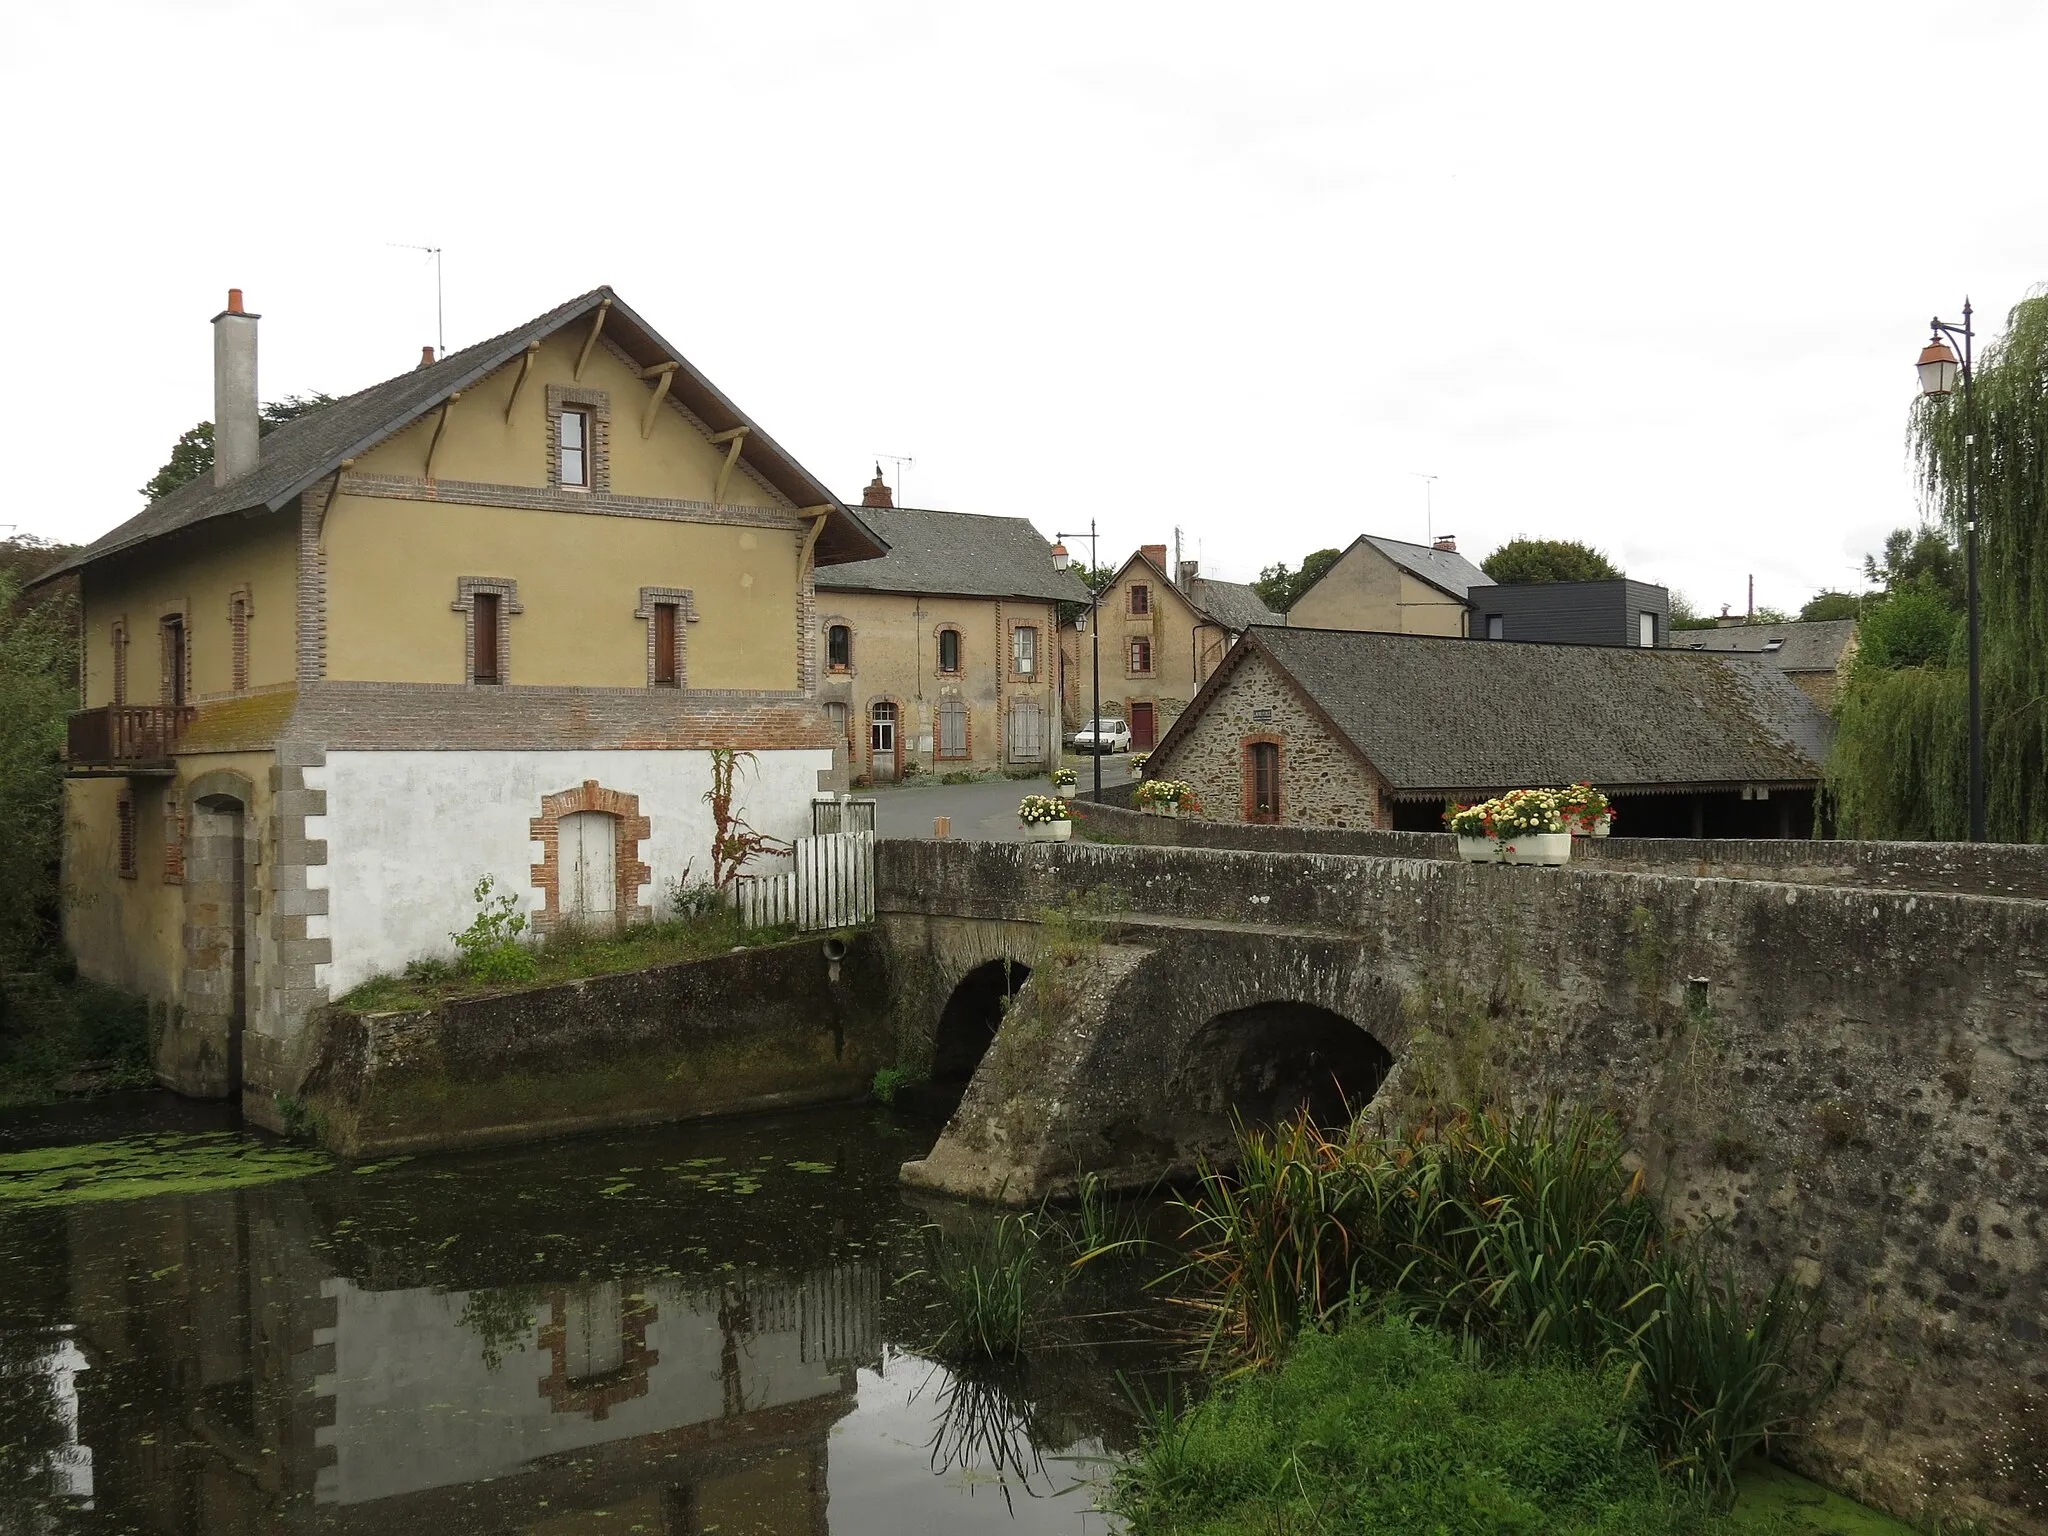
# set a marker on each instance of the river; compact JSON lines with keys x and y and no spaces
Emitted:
{"x":698,"y":1328}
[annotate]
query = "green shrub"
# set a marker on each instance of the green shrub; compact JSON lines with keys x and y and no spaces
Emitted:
{"x":490,"y":946}
{"x":890,"y":1080}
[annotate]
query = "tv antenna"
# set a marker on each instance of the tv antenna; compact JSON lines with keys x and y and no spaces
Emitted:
{"x":1428,"y":503}
{"x":902,"y":461}
{"x":440,"y":327}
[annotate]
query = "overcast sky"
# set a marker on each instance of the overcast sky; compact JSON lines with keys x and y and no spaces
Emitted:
{"x":1650,"y":276}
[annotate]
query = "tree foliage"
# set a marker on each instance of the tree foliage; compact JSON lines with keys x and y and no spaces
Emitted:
{"x":1900,"y":760}
{"x":1534,"y":560}
{"x":192,"y":454}
{"x":1831,"y":605}
{"x":38,"y":684}
{"x":1279,"y":588}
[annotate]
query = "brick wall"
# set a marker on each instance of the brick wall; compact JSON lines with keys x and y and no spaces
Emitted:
{"x":1321,"y":782}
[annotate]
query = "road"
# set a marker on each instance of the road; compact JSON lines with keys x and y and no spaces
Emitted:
{"x":984,"y":812}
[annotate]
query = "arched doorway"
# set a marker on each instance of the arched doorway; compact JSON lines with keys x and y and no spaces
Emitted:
{"x":972,"y":1016}
{"x":1266,"y":1063}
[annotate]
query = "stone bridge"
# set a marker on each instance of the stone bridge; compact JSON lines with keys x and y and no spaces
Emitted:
{"x":1834,"y":1080}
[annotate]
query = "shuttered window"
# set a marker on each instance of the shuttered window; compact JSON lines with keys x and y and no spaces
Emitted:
{"x":1262,"y":773}
{"x":952,"y":729}
{"x":488,"y":664}
{"x":667,"y":658}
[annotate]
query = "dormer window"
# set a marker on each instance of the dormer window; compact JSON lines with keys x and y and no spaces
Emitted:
{"x":575,"y":448}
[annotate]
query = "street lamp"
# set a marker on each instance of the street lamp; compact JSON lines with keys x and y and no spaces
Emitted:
{"x":1939,"y":369}
{"x":1094,"y":638}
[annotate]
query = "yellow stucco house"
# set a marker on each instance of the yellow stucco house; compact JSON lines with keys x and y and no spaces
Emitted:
{"x":943,"y":655}
{"x":1162,"y":638}
{"x":492,"y":617}
{"x":1393,"y":587}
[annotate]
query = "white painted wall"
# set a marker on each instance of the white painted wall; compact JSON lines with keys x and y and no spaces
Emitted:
{"x":408,"y":835}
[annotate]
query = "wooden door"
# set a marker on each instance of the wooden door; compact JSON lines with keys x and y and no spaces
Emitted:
{"x":1027,"y":731}
{"x":589,"y":854}
{"x":1144,"y":733}
{"x":884,"y":746}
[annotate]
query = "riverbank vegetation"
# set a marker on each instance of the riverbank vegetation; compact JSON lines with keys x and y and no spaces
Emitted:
{"x":1479,"y":1326}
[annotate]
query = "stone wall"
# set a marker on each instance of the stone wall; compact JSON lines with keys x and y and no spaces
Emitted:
{"x":1115,"y":823}
{"x":755,"y":1029}
{"x":1321,"y":782}
{"x":1846,"y":1085}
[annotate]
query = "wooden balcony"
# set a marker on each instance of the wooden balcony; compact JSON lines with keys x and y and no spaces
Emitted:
{"x":125,"y":738}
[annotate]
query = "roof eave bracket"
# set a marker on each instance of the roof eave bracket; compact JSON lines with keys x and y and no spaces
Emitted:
{"x":664,"y":374}
{"x":604,"y":307}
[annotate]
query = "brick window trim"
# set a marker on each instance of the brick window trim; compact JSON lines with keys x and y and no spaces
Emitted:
{"x":506,"y":590}
{"x":598,"y":1395}
{"x":240,"y":611}
{"x":117,"y":640}
{"x":124,"y":834}
{"x":1131,"y":669}
{"x":949,"y":703}
{"x":825,"y":628}
{"x":631,"y":829}
{"x":1250,"y":811}
{"x":1037,"y":675}
{"x":179,"y":613}
{"x":685,"y":603}
{"x":597,"y":453}
{"x":960,"y":651}
{"x":174,"y":841}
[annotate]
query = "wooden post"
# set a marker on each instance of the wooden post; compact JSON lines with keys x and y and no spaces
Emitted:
{"x":942,"y":826}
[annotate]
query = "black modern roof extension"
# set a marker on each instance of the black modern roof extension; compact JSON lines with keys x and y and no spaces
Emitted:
{"x":956,"y":554}
{"x":303,"y":450}
{"x":1809,"y":645}
{"x":1442,"y":717}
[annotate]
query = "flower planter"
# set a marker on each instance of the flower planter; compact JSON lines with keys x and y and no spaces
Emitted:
{"x":1048,"y":831}
{"x":1478,"y":850}
{"x":1599,"y":827}
{"x":1536,"y":848}
{"x":1161,"y":808}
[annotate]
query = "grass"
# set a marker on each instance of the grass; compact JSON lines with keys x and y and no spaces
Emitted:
{"x":564,"y":956}
{"x":991,"y":1283}
{"x":1528,"y":1241}
{"x":56,"y":1026}
{"x":1388,"y":1425}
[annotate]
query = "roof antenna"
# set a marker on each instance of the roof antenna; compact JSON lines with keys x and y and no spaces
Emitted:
{"x":902,"y":461}
{"x":440,"y":328}
{"x":1428,"y":504}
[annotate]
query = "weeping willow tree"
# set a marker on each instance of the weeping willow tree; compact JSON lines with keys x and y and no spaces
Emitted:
{"x":1900,"y":766}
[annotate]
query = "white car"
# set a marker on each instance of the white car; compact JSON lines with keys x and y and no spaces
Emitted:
{"x":1103,"y":736}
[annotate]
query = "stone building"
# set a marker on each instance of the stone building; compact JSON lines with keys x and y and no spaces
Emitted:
{"x":491,"y":617}
{"x":944,"y":654}
{"x":1161,"y":640}
{"x":1816,"y":653}
{"x":1356,"y":729}
{"x":1395,"y":587}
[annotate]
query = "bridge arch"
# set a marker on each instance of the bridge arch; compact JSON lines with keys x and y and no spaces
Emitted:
{"x":1268,"y":1061}
{"x":973,"y":1013}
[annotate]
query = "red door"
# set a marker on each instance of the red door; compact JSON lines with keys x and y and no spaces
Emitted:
{"x":1143,"y":732}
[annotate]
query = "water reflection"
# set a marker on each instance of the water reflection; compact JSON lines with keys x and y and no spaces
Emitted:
{"x":547,"y":1341}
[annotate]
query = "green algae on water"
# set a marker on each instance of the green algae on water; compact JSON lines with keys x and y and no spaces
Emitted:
{"x":138,"y":1167}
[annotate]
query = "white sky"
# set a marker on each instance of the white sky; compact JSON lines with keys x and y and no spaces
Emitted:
{"x":1652,"y":276}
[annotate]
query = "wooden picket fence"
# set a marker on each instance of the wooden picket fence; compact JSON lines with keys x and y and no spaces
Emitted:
{"x":830,"y":884}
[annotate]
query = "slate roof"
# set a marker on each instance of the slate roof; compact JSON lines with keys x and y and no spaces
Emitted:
{"x":1444,"y":569}
{"x":1232,"y":604}
{"x":1439,"y":716}
{"x":960,"y":554}
{"x":301,"y":451}
{"x":1815,"y":645}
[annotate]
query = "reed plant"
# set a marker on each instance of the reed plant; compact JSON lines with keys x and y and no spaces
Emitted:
{"x":1529,"y":1239}
{"x":991,"y":1283}
{"x":1103,"y":1226}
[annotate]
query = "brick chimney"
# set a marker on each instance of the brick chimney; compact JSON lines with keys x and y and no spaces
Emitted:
{"x":1156,"y":553}
{"x":426,"y":358}
{"x":1447,"y":542}
{"x":877,"y":493}
{"x":237,"y":433}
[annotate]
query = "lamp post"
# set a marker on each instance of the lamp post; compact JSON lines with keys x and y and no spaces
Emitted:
{"x":1095,"y":642}
{"x":1939,"y":370}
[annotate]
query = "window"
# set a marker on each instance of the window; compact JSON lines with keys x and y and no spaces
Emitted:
{"x":839,"y":648}
{"x":1262,"y":781}
{"x":1141,"y":657}
{"x":949,"y":650}
{"x":486,"y":664}
{"x":575,"y":448}
{"x":238,"y":639}
{"x":953,"y":737}
{"x":836,"y":715}
{"x":119,"y":640}
{"x":1024,"y":650}
{"x":1646,"y":629}
{"x":882,"y":729}
{"x":668,"y":668}
{"x":1141,"y":598}
{"x":1495,"y":630}
{"x":176,"y":659}
{"x":124,"y":820}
